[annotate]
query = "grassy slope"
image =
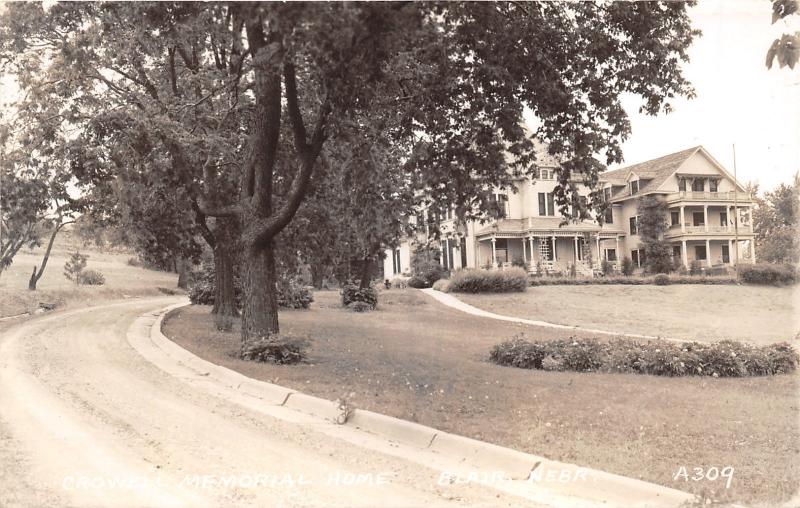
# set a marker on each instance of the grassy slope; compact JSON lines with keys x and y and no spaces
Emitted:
{"x":122,"y":280}
{"x":418,"y":360}
{"x":694,"y":312}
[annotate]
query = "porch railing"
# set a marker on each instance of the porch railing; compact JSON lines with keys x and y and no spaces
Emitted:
{"x":708,"y":196}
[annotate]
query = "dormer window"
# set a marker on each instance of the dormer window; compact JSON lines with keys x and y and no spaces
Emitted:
{"x":682,"y":184}
{"x":546,"y":174}
{"x":634,"y":186}
{"x":698,"y":185}
{"x":713,"y":185}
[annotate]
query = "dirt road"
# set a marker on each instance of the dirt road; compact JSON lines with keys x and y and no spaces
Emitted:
{"x":86,"y":421}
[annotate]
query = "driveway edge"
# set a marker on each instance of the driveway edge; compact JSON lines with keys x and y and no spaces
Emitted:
{"x":597,"y":486}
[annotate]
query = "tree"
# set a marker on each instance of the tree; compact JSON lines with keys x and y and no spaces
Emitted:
{"x":786,"y":48}
{"x":74,"y":266}
{"x":454,"y":78}
{"x":23,"y":203}
{"x":652,"y":222}
{"x":775,"y":224}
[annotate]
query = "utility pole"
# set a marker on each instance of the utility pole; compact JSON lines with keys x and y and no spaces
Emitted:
{"x":735,"y":208}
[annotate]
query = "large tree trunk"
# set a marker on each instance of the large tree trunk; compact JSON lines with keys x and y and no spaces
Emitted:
{"x":183,"y":273}
{"x":260,"y":309}
{"x":225,"y":308}
{"x":317,"y":274}
{"x":366,"y":269}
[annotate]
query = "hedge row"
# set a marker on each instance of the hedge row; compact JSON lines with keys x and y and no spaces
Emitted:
{"x":659,"y":358}
{"x":635,"y":281}
{"x":768,"y":274}
{"x":488,"y":281}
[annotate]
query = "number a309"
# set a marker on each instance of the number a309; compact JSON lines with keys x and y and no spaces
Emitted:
{"x":698,"y":474}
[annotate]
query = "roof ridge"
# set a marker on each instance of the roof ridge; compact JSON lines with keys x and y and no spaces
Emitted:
{"x":628,"y":167}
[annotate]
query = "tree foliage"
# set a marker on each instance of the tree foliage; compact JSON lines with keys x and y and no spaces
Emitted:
{"x":775,"y":223}
{"x":786,"y":48}
{"x":652,"y":223}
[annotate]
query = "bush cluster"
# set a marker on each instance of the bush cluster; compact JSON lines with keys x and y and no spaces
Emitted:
{"x":353,"y":293}
{"x":768,"y":274}
{"x":488,"y":281}
{"x":663,"y":279}
{"x":360,"y":306}
{"x":442,"y":285}
{"x":659,"y":358}
{"x":92,"y":278}
{"x":418,"y":282}
{"x":277,"y":349}
{"x":399,"y":282}
{"x":292,"y":295}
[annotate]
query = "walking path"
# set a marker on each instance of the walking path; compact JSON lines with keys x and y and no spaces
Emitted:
{"x":452,"y":301}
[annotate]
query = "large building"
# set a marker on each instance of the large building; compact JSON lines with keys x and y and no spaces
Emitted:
{"x":708,"y":212}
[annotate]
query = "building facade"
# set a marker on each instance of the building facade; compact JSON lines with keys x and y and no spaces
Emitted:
{"x":710,"y":221}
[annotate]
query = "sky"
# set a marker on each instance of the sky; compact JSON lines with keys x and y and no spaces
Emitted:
{"x":739,"y":101}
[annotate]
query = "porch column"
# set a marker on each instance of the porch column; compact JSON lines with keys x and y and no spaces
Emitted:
{"x":530,"y":240}
{"x":708,"y":252}
{"x":684,"y":254}
{"x":447,"y":247}
{"x":705,"y":217}
{"x":524,"y":252}
{"x":730,"y":216}
{"x":553,"y":238}
{"x":753,"y":250}
{"x":683,"y":221}
{"x":730,"y":252}
{"x":619,"y":254}
{"x":597,"y":238}
{"x":494,"y":252}
{"x":575,"y":259}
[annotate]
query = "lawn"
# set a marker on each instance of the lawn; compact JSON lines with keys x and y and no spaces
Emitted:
{"x":759,"y":314}
{"x":418,"y":360}
{"x":122,"y":280}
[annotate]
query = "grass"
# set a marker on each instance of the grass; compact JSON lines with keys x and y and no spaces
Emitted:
{"x":122,"y":280}
{"x":418,"y":360}
{"x":757,"y":314}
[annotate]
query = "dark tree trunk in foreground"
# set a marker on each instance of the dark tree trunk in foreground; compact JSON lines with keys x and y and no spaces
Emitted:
{"x":317,"y":274}
{"x":183,"y":273}
{"x":366,"y":269}
{"x":259,"y":281}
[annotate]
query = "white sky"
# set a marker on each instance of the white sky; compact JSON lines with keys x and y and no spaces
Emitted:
{"x":738,"y":99}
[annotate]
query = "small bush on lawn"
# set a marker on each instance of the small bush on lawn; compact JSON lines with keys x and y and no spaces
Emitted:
{"x":607,"y":267}
{"x":519,"y":262}
{"x":632,"y":281}
{"x":489,"y":281}
{"x":92,"y":278}
{"x":627,"y":266}
{"x":360,"y":307}
{"x":660,"y":358}
{"x":353,"y":293}
{"x":768,"y":274}
{"x":661,"y":279}
{"x":695,"y":267}
{"x":418,"y":282}
{"x":277,"y":349}
{"x":292,"y":295}
{"x":442,"y":285}
{"x":400,"y":282}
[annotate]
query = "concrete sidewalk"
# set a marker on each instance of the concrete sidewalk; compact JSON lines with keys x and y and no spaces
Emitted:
{"x":451,"y":301}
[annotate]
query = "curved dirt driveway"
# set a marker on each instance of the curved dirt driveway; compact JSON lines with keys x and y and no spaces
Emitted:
{"x":86,"y":421}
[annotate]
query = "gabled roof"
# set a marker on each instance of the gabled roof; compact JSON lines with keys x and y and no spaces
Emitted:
{"x":654,"y":171}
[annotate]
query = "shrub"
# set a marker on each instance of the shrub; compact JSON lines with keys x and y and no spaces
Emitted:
{"x":135,"y":262}
{"x":489,"y":281}
{"x":659,"y":358}
{"x":627,"y":266}
{"x":353,"y":293}
{"x":360,"y":306}
{"x":400,"y":282}
{"x":292,"y":295}
{"x":277,"y":349}
{"x":767,"y":274}
{"x":74,"y":266}
{"x":203,"y":289}
{"x":418,"y":282}
{"x":518,"y":261}
{"x":425,"y":264}
{"x":607,"y":267}
{"x":442,"y":285}
{"x":661,"y":279}
{"x":695,"y":267}
{"x":92,"y":278}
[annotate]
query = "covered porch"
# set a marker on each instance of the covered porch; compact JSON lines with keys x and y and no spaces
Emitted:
{"x":714,"y":252}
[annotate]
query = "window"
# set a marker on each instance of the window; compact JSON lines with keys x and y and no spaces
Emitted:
{"x":675,"y":218}
{"x":698,"y":219}
{"x":700,"y":252}
{"x":607,"y":194}
{"x":609,"y":215}
{"x":500,"y":202}
{"x":634,"y":185}
{"x":723,"y":218}
{"x":676,"y":251}
{"x":546,"y":204}
{"x":698,"y":185}
{"x":637,"y":256}
{"x":611,"y":254}
{"x":546,"y":174}
{"x":726,"y":255}
{"x":396,"y":268}
{"x":633,"y":223}
{"x":580,"y":202}
{"x":713,"y":185}
{"x":682,"y":184}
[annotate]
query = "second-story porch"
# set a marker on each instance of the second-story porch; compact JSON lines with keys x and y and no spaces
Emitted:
{"x":690,"y":219}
